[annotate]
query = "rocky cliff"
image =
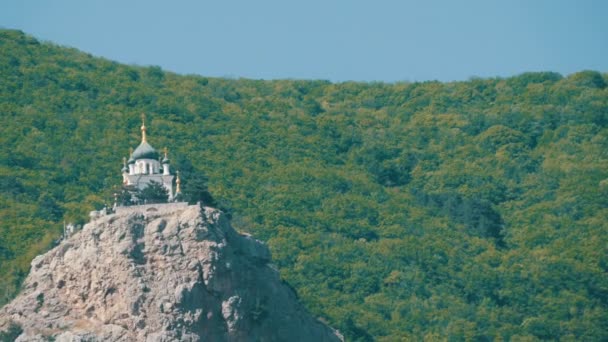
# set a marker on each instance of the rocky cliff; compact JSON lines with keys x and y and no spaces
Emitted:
{"x":159,"y":273}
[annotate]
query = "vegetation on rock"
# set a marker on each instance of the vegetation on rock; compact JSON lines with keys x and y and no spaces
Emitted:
{"x":154,"y":192}
{"x":470,"y":210}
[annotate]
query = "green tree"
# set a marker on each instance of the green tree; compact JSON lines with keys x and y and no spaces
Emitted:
{"x":127,"y":195}
{"x":154,"y":192}
{"x":195,"y":189}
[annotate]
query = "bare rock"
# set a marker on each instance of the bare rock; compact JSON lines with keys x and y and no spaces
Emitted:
{"x":174,"y":273}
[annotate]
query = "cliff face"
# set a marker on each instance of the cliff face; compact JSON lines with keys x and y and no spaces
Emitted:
{"x":159,"y":273}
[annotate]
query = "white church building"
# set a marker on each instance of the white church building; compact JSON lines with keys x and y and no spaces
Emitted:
{"x":145,"y":165}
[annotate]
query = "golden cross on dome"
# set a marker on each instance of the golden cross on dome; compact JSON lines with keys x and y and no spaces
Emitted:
{"x":143,"y":127}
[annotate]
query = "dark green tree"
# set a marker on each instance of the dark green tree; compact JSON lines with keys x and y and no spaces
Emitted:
{"x":195,"y":189}
{"x":127,"y":195}
{"x":12,"y":333}
{"x":48,"y":208}
{"x":154,"y":192}
{"x":194,"y":183}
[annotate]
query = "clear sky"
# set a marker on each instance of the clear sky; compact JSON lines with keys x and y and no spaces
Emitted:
{"x":337,"y":40}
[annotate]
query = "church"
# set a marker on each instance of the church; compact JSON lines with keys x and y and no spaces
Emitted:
{"x":145,"y":165}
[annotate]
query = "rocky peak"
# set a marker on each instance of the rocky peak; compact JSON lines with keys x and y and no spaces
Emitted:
{"x":168,"y":272}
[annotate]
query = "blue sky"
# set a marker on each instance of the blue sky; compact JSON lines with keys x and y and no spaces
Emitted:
{"x":336,"y":40}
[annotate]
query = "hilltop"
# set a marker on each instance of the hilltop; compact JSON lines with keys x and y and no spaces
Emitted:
{"x":161,"y":272}
{"x":462,"y":210}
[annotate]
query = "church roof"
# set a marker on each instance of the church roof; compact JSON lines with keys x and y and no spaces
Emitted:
{"x":145,"y":151}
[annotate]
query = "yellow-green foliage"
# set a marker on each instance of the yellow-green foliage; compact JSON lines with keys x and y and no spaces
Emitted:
{"x":470,"y":210}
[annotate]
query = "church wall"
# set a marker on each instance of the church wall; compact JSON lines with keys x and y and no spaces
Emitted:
{"x":142,"y":180}
{"x":143,"y":165}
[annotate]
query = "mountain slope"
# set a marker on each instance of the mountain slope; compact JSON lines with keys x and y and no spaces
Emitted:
{"x":465,"y":210}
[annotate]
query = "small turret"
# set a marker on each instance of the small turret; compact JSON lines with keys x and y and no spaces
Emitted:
{"x":178,"y":182}
{"x":124,"y":165}
{"x":131,"y":161}
{"x":125,"y":171}
{"x":165,"y":162}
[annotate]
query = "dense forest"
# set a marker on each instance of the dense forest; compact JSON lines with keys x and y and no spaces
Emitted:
{"x":472,"y":210}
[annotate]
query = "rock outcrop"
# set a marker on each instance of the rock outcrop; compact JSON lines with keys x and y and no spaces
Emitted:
{"x":159,"y":273}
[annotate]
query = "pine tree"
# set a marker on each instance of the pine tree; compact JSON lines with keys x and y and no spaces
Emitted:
{"x":154,"y":192}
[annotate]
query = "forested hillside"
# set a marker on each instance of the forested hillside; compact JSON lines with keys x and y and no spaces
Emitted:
{"x":470,"y":210}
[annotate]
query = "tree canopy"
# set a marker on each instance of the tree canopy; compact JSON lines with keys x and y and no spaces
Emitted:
{"x":472,"y":210}
{"x":153,"y":192}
